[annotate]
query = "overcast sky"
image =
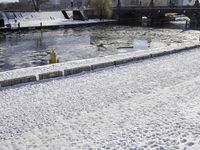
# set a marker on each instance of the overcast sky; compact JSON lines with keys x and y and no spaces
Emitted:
{"x":8,"y":1}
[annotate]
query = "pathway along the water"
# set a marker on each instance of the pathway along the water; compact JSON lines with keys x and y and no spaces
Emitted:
{"x":152,"y":104}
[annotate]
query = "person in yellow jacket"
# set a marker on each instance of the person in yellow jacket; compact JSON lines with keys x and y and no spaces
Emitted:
{"x":53,"y":57}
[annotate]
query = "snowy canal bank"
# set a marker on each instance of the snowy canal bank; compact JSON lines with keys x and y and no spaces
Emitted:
{"x":21,"y":76}
{"x":151,"y":104}
{"x":47,"y":20}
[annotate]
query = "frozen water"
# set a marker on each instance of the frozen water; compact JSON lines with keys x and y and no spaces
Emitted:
{"x":28,"y":49}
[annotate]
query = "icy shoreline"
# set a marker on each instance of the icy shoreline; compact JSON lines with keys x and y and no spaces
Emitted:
{"x":25,"y":75}
{"x":45,"y":20}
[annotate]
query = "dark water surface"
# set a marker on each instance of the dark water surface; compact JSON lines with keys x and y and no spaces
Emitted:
{"x":32,"y":48}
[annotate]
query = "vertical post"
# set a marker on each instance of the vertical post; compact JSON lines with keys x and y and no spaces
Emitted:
{"x":72,"y":3}
{"x":140,"y":3}
{"x":151,"y":3}
{"x":38,"y":5}
{"x":41,"y":25}
{"x":118,"y":9}
{"x":18,"y":25}
{"x":171,"y":4}
{"x":186,"y":25}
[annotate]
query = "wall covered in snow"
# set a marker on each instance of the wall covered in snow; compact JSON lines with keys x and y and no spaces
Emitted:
{"x":34,"y":18}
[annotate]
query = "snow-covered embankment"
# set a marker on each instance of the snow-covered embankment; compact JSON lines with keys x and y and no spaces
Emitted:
{"x":31,"y":74}
{"x":23,"y":20}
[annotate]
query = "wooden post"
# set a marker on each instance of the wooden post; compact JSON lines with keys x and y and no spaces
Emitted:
{"x":18,"y":25}
{"x":41,"y":25}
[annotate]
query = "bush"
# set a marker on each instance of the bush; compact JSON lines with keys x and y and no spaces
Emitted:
{"x":102,"y":8}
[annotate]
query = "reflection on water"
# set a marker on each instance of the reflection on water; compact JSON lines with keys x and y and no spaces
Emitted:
{"x":25,"y":49}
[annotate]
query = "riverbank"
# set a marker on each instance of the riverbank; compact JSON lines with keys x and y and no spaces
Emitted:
{"x":59,"y":25}
{"x":15,"y":21}
{"x":31,"y":74}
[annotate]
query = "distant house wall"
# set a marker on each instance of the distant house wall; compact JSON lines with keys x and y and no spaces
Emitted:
{"x":188,"y":2}
{"x":63,"y":4}
{"x":129,"y":2}
{"x":156,"y":2}
{"x":66,"y":4}
{"x":166,"y":2}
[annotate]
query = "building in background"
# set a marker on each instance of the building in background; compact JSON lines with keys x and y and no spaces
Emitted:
{"x":143,"y":2}
{"x":63,"y":4}
{"x":188,"y":2}
{"x":26,"y":5}
{"x":129,"y":2}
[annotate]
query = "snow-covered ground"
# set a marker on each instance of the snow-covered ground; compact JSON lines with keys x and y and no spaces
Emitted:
{"x":151,"y":105}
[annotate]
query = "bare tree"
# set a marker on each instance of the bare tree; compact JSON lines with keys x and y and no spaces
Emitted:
{"x":17,"y":6}
{"x":38,"y":3}
{"x":102,"y":8}
{"x":147,"y":2}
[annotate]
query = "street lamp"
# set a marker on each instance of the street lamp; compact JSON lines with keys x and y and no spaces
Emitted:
{"x":118,"y":3}
{"x":171,"y":3}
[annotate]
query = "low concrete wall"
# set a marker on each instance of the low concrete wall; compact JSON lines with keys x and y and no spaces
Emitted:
{"x":92,"y":65}
{"x":102,"y":65}
{"x":16,"y":81}
{"x":50,"y":75}
{"x":123,"y":61}
{"x":76,"y":70}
